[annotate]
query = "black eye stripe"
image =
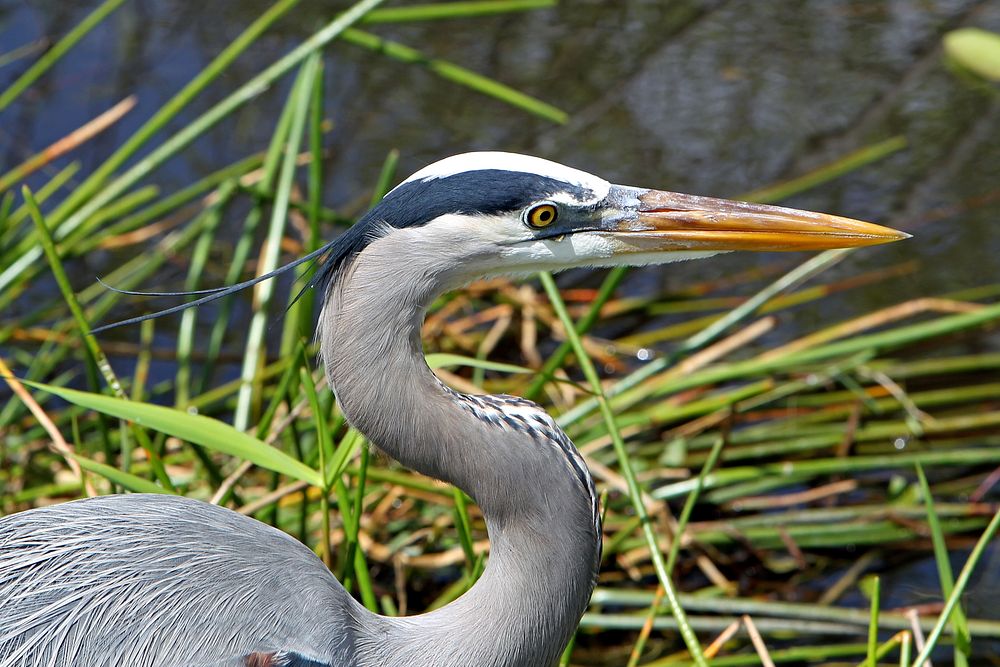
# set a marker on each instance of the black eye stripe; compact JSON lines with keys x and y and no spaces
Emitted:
{"x":415,"y":203}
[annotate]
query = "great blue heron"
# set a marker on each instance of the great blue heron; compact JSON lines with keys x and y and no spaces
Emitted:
{"x":166,"y":581}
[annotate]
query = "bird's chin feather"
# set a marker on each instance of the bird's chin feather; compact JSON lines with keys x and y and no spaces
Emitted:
{"x":585,"y":249}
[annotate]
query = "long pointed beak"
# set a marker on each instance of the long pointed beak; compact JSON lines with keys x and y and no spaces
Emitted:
{"x":670,"y":220}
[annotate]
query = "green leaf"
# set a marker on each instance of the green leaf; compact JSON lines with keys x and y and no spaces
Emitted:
{"x":120,"y":477}
{"x":443,"y":360}
{"x":976,"y":50}
{"x":196,"y":429}
{"x":963,"y":640}
{"x":453,"y":10}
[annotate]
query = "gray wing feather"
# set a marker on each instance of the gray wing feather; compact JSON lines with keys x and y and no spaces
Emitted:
{"x":163,"y":581}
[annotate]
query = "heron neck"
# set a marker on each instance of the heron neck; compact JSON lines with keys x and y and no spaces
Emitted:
{"x":540,"y":520}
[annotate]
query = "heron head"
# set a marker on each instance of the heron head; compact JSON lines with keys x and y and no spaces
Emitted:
{"x":492,"y":213}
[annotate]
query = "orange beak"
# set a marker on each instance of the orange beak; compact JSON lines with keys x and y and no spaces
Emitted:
{"x":674,"y":221}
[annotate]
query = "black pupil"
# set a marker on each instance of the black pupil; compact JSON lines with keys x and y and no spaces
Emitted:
{"x":545,"y":215}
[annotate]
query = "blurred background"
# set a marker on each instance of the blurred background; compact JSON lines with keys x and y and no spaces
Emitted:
{"x":716,"y":98}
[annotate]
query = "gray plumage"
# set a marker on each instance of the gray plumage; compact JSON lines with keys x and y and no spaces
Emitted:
{"x":162,"y":581}
{"x":125,"y":580}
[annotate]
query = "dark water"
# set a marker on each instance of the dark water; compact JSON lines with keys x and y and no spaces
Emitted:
{"x":700,"y":96}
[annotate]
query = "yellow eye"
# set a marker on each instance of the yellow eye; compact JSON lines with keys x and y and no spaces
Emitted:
{"x":542,"y":215}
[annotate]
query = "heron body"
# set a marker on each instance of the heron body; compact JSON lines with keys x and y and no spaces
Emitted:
{"x":164,"y":581}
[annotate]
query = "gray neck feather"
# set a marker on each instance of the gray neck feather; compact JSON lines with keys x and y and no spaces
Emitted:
{"x":540,"y":519}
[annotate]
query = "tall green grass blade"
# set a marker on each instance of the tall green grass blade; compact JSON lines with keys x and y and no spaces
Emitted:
{"x":173,"y":107}
{"x":960,"y":585}
{"x":385,"y":176}
{"x":675,"y":549}
{"x":325,"y":448}
{"x":143,"y":361}
{"x":876,"y":595}
{"x":606,"y":291}
{"x":355,"y":561}
{"x":797,"y":276}
{"x":359,"y":491}
{"x":800,"y":274}
{"x":905,"y":649}
{"x":635,"y":493}
{"x":50,"y":153}
{"x":323,"y":440}
{"x":343,"y":453}
{"x":244,"y":245}
{"x":83,"y":241}
{"x":43,"y":64}
{"x":95,"y":355}
{"x":6,"y":204}
{"x":447,"y":360}
{"x":855,"y":617}
{"x":456,"y":74}
{"x":963,"y":641}
{"x":120,"y":477}
{"x":22,"y":51}
{"x":62,"y":177}
{"x":196,"y":267}
{"x":864,"y":344}
{"x":94,"y":194}
{"x":125,"y":204}
{"x":828,"y":466}
{"x":844,"y":165}
{"x":882,"y":650}
{"x":63,"y":220}
{"x":899,"y":336}
{"x":691,"y":501}
{"x":299,"y":312}
{"x":566,"y":657}
{"x":316,"y":163}
{"x":454,"y":10}
{"x":464,"y":527}
{"x":283,"y":390}
{"x":201,"y":430}
{"x":299,"y":104}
